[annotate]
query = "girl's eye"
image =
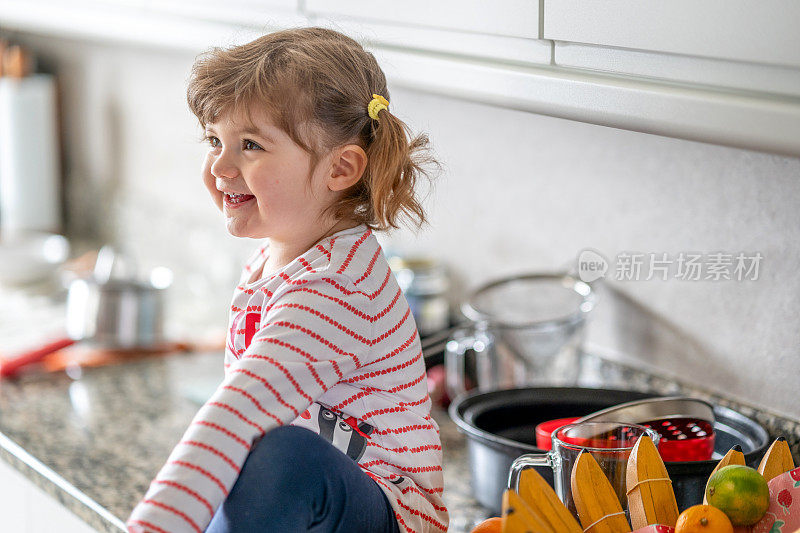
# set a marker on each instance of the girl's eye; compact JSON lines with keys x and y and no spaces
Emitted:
{"x":250,"y":145}
{"x":213,"y":141}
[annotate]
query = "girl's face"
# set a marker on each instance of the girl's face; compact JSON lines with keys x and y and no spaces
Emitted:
{"x":270,"y":171}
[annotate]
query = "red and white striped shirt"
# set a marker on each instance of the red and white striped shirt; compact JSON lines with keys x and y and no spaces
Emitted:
{"x":327,"y":343}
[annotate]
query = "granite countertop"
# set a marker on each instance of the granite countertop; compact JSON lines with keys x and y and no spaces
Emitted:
{"x":95,"y":438}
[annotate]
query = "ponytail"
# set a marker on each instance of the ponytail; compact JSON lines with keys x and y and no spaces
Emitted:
{"x":395,"y":162}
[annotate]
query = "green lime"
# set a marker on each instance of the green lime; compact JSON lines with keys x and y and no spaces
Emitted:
{"x":740,"y":492}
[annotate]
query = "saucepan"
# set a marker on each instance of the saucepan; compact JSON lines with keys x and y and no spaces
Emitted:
{"x":110,"y":309}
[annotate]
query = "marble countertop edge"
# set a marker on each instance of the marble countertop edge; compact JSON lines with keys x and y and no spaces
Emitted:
{"x":67,"y":494}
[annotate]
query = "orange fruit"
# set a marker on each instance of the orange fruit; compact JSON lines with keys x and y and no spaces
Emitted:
{"x":703,"y":519}
{"x":490,"y":525}
{"x":740,"y":492}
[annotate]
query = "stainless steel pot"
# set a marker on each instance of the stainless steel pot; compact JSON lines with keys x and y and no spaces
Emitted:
{"x":111,"y":310}
{"x":118,"y":314}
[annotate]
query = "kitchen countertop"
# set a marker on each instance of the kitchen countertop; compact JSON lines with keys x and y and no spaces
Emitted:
{"x":94,"y":438}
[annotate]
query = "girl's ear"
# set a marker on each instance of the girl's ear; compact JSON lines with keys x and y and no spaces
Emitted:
{"x":348,"y":166}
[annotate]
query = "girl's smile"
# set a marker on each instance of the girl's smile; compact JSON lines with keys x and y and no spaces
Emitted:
{"x":236,"y":201}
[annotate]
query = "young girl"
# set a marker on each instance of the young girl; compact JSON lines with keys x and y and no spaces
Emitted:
{"x":322,"y":422}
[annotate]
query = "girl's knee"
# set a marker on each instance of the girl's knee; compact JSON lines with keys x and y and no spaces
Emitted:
{"x":285,"y":442}
{"x":295,"y":451}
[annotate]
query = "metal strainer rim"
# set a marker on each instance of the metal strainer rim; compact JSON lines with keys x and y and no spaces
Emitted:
{"x":581,"y":288}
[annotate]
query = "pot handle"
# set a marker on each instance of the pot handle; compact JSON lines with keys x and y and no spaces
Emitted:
{"x":526,"y":461}
{"x":462,"y":341}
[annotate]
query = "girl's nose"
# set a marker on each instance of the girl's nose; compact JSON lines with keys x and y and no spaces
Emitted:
{"x":223,"y":167}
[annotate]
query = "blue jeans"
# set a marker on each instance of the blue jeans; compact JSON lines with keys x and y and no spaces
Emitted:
{"x":293,"y":480}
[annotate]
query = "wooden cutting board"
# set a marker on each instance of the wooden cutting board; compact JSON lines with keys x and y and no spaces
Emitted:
{"x":86,"y":356}
{"x":651,"y":499}
{"x":598,"y":506}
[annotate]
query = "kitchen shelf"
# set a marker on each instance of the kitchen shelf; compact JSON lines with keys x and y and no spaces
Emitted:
{"x":514,"y":73}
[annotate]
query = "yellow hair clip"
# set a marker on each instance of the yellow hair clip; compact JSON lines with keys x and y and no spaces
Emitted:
{"x":377,"y":103}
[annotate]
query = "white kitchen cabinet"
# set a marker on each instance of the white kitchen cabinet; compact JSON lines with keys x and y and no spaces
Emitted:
{"x":674,"y":68}
{"x":763,"y":31}
{"x":267,"y":14}
{"x":512,"y":18}
{"x":437,"y":40}
{"x":122,"y":21}
{"x":25,"y":508}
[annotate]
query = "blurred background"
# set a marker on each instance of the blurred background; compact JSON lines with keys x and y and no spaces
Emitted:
{"x":619,"y":127}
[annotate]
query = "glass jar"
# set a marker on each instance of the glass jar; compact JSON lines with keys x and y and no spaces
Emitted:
{"x":425,"y":285}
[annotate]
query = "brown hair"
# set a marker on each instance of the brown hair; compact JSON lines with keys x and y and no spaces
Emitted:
{"x":317,"y":80}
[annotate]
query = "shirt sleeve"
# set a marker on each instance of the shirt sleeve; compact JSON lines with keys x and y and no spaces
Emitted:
{"x":307,"y":342}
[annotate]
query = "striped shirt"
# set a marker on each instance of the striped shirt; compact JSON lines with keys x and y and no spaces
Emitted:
{"x":327,"y":343}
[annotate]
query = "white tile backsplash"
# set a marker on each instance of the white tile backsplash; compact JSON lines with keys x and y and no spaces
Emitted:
{"x":520,"y":192}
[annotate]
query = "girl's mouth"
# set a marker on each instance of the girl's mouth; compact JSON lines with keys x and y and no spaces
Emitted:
{"x":234,"y":201}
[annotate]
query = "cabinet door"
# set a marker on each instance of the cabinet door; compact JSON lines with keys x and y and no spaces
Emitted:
{"x":25,"y":508}
{"x":763,"y":31}
{"x":515,"y":18}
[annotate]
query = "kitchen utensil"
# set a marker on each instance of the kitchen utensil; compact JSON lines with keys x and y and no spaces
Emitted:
{"x":610,"y":443}
{"x":545,"y":430}
{"x":523,"y":328}
{"x":16,"y":62}
{"x":640,"y":411}
{"x":3,"y":47}
{"x":777,"y":460}
{"x":9,"y":367}
{"x":30,"y":256}
{"x":425,"y":285}
{"x":684,"y":439}
{"x":595,"y":497}
{"x":499,"y":427}
{"x":541,"y":498}
{"x":685,"y":424}
{"x":733,"y":457}
{"x":106,"y":312}
{"x":519,"y":518}
{"x":651,"y":499}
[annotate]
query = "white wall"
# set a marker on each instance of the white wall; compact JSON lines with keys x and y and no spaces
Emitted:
{"x":520,"y":192}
